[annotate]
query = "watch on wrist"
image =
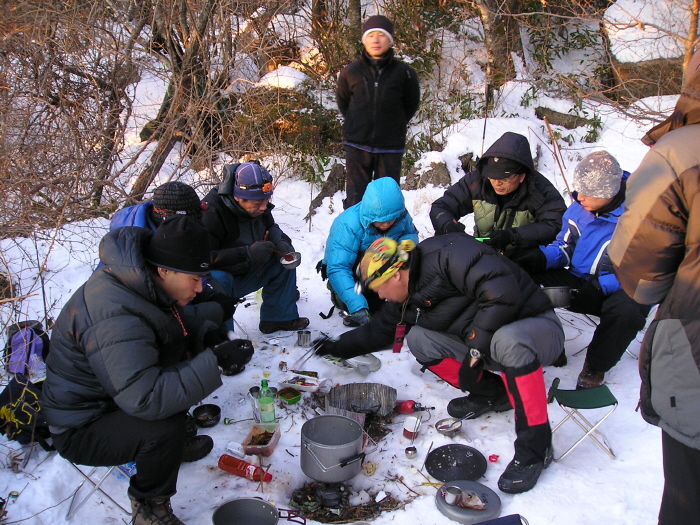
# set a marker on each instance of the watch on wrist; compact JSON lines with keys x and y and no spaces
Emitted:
{"x":474,"y":353}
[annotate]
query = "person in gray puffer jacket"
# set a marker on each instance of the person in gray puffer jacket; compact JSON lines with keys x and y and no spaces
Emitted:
{"x":126,"y":362}
{"x":656,"y":256}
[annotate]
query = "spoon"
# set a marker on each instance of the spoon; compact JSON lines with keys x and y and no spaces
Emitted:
{"x":449,"y":426}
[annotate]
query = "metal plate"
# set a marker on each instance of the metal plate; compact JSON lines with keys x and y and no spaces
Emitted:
{"x":470,"y":516}
{"x":455,"y":461}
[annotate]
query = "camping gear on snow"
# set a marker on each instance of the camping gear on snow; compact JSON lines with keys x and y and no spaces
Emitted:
{"x":472,"y":490}
{"x":262,"y":439}
{"x":304,"y":338}
{"x":289,"y":260}
{"x":20,"y":413}
{"x":560,"y":295}
{"x":354,"y":400}
{"x":450,"y":462}
{"x":332,"y":448}
{"x":571,"y":401}
{"x":207,"y":415}
{"x":449,"y":426}
{"x":26,"y":349}
{"x":411,"y":425}
{"x":247,"y":511}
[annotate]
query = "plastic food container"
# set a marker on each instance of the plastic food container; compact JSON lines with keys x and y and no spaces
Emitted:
{"x":289,"y":395}
{"x":302,"y":383}
{"x":258,"y":429}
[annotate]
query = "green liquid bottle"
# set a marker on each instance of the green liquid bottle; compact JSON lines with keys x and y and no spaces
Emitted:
{"x":266,"y":403}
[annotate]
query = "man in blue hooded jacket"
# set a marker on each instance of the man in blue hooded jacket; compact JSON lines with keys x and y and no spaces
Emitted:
{"x":578,"y":258}
{"x":381,"y":213}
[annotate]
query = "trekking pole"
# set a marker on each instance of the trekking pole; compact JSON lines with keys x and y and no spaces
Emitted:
{"x":488,"y":95}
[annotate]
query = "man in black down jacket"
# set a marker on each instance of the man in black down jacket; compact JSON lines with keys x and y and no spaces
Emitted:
{"x":470,"y":312}
{"x":515,"y":207}
{"x":246,"y":237}
{"x":127,"y":362}
{"x":378,"y":95}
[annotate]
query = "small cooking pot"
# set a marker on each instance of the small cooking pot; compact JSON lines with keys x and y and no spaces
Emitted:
{"x":560,"y":296}
{"x":206,"y":415}
{"x":244,"y":511}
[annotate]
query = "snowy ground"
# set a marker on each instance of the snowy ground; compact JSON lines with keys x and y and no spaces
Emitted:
{"x":587,"y":487}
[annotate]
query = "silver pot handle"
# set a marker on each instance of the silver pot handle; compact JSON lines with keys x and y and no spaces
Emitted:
{"x":345,"y":462}
{"x":291,"y":515}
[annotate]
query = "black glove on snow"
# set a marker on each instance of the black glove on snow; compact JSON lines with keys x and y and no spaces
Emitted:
{"x":500,"y":239}
{"x":453,"y":227}
{"x":532,"y":261}
{"x":469,"y":375}
{"x":232,"y":356}
{"x":260,"y":252}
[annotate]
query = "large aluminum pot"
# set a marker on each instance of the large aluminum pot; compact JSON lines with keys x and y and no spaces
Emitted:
{"x":253,"y":511}
{"x":332,"y":448}
{"x":559,"y":295}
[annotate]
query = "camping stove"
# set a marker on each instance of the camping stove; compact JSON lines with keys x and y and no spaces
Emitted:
{"x":332,"y":495}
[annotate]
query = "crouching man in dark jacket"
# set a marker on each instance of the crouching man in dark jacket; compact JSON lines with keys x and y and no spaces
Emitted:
{"x":127,"y":362}
{"x":472,"y":312}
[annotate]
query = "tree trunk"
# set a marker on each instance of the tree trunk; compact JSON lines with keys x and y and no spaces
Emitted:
{"x":501,"y":37}
{"x":355,"y":23}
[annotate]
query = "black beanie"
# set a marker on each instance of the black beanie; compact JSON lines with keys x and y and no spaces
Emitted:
{"x":181,"y":244}
{"x":176,"y":197}
{"x":378,"y":23}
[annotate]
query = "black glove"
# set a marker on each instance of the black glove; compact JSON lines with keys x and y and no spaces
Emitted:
{"x":284,"y":247}
{"x":232,"y":356}
{"x":589,"y":298}
{"x":327,"y":346}
{"x":532,"y":261}
{"x":322,"y":269}
{"x":260,"y":252}
{"x":469,"y":375}
{"x":453,"y":227}
{"x":500,"y":239}
{"x":215,"y":337}
{"x":227,"y":303}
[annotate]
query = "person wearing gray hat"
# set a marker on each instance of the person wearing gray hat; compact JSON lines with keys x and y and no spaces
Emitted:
{"x":578,"y":259}
{"x":127,"y":362}
{"x":376,"y":117}
{"x":515,"y":207}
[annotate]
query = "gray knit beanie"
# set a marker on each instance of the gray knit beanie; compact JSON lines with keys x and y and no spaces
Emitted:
{"x":598,"y":175}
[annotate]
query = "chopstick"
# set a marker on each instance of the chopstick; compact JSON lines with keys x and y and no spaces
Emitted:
{"x":310,"y":352}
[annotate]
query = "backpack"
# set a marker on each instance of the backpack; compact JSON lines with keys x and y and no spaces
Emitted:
{"x":20,"y":413}
{"x":26,"y":349}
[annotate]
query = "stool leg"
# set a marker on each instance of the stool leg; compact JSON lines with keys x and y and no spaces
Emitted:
{"x":96,"y":486}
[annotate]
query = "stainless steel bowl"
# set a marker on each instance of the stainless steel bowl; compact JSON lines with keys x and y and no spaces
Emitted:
{"x":448,"y":427}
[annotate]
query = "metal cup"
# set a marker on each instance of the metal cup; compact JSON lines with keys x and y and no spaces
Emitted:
{"x":410,"y":427}
{"x":304,"y":338}
{"x":452,"y":494}
{"x":253,"y":394}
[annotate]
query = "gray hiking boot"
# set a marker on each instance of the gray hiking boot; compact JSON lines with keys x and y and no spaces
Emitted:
{"x":154,"y":511}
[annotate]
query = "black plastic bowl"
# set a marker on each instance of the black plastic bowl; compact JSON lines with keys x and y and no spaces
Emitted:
{"x":206,"y":415}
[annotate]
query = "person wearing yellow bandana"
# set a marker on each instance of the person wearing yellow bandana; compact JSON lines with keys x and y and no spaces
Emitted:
{"x":468,"y":312}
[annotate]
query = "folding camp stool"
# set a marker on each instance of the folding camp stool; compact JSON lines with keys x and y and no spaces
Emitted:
{"x":573,"y":401}
{"x":96,"y":487}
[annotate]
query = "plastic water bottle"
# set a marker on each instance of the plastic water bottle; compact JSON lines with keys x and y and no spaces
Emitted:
{"x":266,"y":403}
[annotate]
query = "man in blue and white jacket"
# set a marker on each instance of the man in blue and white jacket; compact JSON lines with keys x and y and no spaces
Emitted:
{"x":578,"y":258}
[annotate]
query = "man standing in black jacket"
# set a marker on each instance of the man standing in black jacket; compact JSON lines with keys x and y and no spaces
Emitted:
{"x":378,"y":95}
{"x":471,"y":312}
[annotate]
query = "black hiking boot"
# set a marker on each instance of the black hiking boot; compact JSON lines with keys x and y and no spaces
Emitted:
{"x":518,"y":478}
{"x":196,"y":448}
{"x":154,"y":511}
{"x":473,"y":406}
{"x":561,"y":360}
{"x":267,"y":327}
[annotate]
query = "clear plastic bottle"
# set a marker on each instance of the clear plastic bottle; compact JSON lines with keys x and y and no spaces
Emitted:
{"x":266,"y":403}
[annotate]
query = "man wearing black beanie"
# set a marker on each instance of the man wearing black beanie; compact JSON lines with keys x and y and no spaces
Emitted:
{"x":127,"y":362}
{"x":378,"y":95}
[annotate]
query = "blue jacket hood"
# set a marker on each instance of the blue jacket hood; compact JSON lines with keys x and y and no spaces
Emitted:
{"x":382,"y":202}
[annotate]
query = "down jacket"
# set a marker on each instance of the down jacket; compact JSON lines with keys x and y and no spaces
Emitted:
{"x":117,"y":344}
{"x":136,"y":215}
{"x":352,"y":233}
{"x":459,"y":286}
{"x":232,"y":230}
{"x":377,"y":100}
{"x":656,"y":253}
{"x":581,"y":245}
{"x":534,"y":211}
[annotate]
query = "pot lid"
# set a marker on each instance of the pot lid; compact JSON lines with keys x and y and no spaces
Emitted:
{"x":455,"y":461}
